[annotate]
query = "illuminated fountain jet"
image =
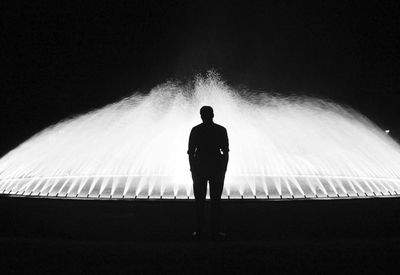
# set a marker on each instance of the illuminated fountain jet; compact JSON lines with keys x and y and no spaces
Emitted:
{"x":136,"y":148}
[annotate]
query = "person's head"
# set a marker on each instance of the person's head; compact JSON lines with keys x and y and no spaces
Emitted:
{"x":207,"y":113}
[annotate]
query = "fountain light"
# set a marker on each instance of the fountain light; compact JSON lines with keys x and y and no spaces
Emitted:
{"x":293,"y":147}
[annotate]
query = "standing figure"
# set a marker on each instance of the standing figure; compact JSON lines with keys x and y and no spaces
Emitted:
{"x":208,"y":158}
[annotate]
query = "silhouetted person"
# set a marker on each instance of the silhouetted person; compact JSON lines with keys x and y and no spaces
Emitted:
{"x":208,"y":158}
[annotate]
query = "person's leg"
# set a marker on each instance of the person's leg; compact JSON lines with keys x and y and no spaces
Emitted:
{"x":216,"y":187}
{"x":199,"y":190}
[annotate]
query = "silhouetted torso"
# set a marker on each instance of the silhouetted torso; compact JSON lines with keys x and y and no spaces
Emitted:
{"x":207,"y":144}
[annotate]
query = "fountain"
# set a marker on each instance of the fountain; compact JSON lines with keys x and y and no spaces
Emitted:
{"x":293,"y":147}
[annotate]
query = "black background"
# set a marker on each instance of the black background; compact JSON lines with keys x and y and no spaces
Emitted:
{"x":66,"y":236}
{"x":63,"y":58}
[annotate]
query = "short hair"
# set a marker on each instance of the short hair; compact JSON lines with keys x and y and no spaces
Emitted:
{"x":206,"y":112}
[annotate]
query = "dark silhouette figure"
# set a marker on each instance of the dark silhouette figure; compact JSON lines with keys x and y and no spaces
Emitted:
{"x":208,"y":158}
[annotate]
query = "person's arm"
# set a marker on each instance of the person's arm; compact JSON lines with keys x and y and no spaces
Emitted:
{"x":225,"y":150}
{"x":191,"y":150}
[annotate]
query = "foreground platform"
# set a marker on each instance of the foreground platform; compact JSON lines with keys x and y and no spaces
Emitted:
{"x":80,"y":237}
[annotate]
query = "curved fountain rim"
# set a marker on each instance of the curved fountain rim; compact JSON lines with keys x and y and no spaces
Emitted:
{"x":390,"y":193}
{"x":191,"y":199}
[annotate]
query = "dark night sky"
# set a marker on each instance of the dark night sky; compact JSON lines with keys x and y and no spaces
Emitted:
{"x":59,"y":59}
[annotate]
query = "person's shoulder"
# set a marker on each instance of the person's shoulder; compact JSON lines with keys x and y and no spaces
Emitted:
{"x":197,"y":127}
{"x":219,"y":127}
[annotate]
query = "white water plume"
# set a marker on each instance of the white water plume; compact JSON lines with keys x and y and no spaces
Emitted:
{"x":136,"y":148}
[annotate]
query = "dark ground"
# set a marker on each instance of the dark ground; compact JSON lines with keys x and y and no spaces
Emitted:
{"x":80,"y":237}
